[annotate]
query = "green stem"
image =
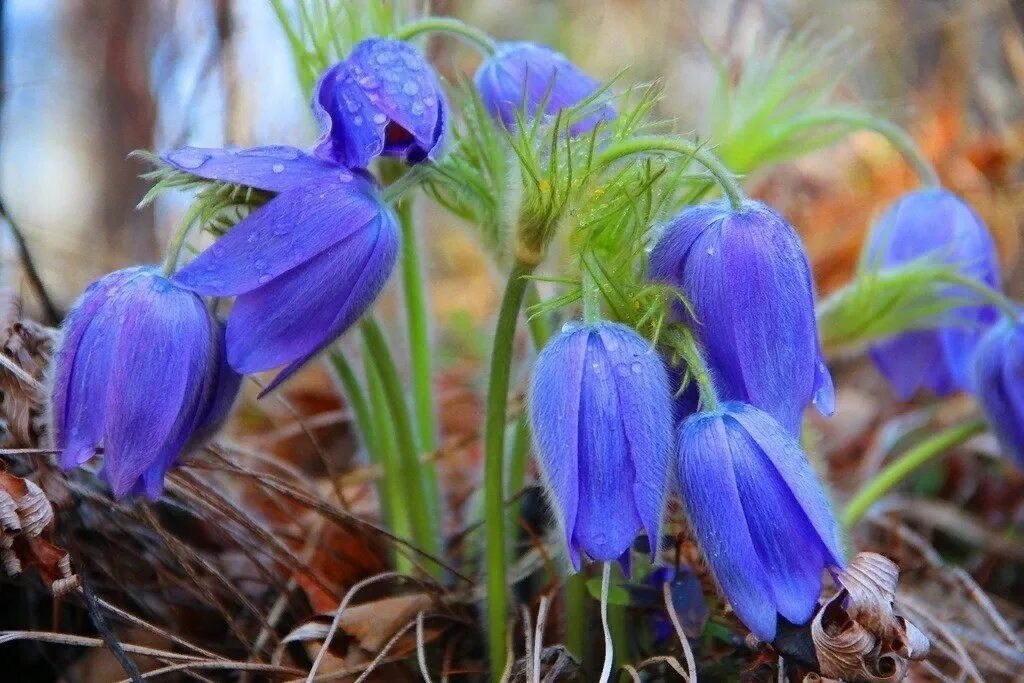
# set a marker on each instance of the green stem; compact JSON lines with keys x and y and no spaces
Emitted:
{"x":415,"y":489}
{"x":896,"y":136}
{"x":470,"y":34}
{"x":387,"y":456}
{"x":900,"y":469}
{"x":698,"y":367}
{"x":576,"y":614}
{"x":658,"y":143}
{"x":995,"y":297}
{"x":591,"y":294}
{"x":177,"y":242}
{"x":494,"y":468}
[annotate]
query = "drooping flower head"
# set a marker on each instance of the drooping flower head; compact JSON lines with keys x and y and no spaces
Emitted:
{"x":758,"y":512}
{"x":998,"y":384}
{"x":523,"y":76}
{"x":746,"y":276}
{"x":140,"y":373}
{"x":304,"y":267}
{"x":933,"y":223}
{"x":601,"y":415}
{"x":383,"y":99}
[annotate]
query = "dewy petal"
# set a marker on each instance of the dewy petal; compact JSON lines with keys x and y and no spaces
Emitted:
{"x":74,"y":405}
{"x":161,"y":355}
{"x":645,"y":405}
{"x":771,"y":304}
{"x":824,"y":390}
{"x":555,"y":415}
{"x":789,"y":548}
{"x":291,"y":229}
{"x":713,"y":505}
{"x":297,"y":313}
{"x":274,"y":168}
{"x":784,"y":452}
{"x":607,"y":520}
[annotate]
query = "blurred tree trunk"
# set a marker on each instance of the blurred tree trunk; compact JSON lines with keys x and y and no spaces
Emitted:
{"x":112,"y":39}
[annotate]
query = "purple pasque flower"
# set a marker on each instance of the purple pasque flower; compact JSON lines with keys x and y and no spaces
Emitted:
{"x":758,"y":512}
{"x":383,"y":99}
{"x":304,"y":267}
{"x":997,"y":380}
{"x":749,"y":285}
{"x":601,"y":415}
{"x":523,"y":76}
{"x":934,"y":223}
{"x":140,"y":373}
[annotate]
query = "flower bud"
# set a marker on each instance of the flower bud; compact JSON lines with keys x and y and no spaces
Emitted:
{"x":934,"y":223}
{"x":525,"y":76}
{"x":383,"y":99}
{"x":601,"y":415}
{"x":759,"y":514}
{"x":751,"y":298}
{"x":998,"y":385}
{"x":139,"y":371}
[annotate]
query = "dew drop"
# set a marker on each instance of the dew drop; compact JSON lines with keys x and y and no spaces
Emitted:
{"x":711,"y":251}
{"x":252,"y":237}
{"x":410,"y":88}
{"x":264,"y":279}
{"x":188,"y":158}
{"x":379,"y":118}
{"x":358,"y":120}
{"x":636,"y":368}
{"x":277,"y":168}
{"x":417,"y":108}
{"x":345,"y":177}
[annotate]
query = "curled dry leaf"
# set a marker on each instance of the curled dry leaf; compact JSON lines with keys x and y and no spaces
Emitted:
{"x":858,"y":636}
{"x":26,"y":348}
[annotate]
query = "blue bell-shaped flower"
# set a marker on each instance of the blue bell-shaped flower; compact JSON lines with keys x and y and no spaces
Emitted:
{"x":601,"y":414}
{"x":998,"y":384}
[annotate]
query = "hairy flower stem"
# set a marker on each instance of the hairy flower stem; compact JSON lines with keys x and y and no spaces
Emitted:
{"x":494,"y":466}
{"x":924,"y":452}
{"x":480,"y":40}
{"x":657,"y":143}
{"x":179,"y":238}
{"x":896,"y":136}
{"x":412,"y":473}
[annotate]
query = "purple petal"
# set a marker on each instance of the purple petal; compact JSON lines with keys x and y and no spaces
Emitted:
{"x":294,"y":315}
{"x":288,"y":231}
{"x":713,"y":505}
{"x":607,"y":520}
{"x":913,"y":360}
{"x":789,"y":548}
{"x":789,"y":460}
{"x":161,"y":355}
{"x":223,"y":392}
{"x":645,"y":406}
{"x":555,"y":415}
{"x":824,"y":390}
{"x":274,"y":168}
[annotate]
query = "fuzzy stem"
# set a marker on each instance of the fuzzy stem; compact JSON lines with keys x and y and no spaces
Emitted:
{"x":698,"y":367}
{"x":494,"y":468}
{"x":993,"y":296}
{"x":657,"y":143}
{"x":900,"y":469}
{"x":412,"y":472}
{"x":480,"y":40}
{"x":178,"y":239}
{"x":591,"y":295}
{"x":896,"y":136}
{"x":609,"y":653}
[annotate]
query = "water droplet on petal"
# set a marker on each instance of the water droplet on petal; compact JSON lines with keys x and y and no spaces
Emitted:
{"x":188,"y":158}
{"x":264,"y":279}
{"x":358,"y":120}
{"x":379,"y":118}
{"x":410,"y":88}
{"x":636,"y":368}
{"x":345,"y":177}
{"x":277,"y":168}
{"x":252,"y":237}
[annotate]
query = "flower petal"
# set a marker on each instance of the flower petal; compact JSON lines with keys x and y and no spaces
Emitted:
{"x":913,"y":360}
{"x":273,"y":168}
{"x":291,"y":229}
{"x":607,"y":520}
{"x":645,"y":408}
{"x":713,"y":505}
{"x":296,"y":314}
{"x":555,"y":416}
{"x":161,"y":354}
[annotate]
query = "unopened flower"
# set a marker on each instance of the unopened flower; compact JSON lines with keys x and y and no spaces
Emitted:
{"x":140,"y":373}
{"x":383,"y":99}
{"x":934,"y":223}
{"x":998,"y":384}
{"x":602,"y":421}
{"x":758,"y":512}
{"x":747,"y":279}
{"x":304,"y":267}
{"x":524,"y":76}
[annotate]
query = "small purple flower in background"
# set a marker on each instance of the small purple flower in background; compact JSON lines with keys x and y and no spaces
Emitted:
{"x":602,"y":422}
{"x":758,"y":512}
{"x":998,"y":384}
{"x":748,"y":280}
{"x":383,"y":99}
{"x":933,"y":222}
{"x":304,"y":267}
{"x":529,"y":75}
{"x":140,"y":372}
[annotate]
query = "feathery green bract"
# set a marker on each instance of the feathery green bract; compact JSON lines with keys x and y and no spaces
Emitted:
{"x":881,"y":303}
{"x":321,"y":33}
{"x":752,"y":114}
